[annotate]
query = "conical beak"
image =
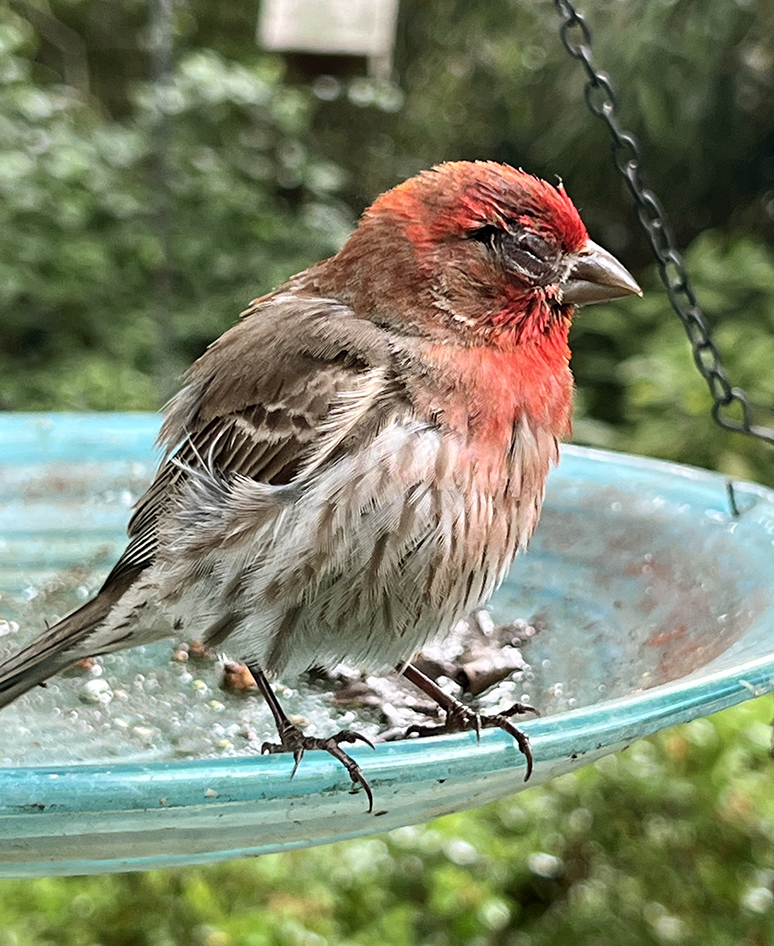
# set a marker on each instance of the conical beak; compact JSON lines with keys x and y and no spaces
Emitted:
{"x":596,"y":276}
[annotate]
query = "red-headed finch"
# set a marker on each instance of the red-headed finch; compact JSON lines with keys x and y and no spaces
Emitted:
{"x":353,"y":466}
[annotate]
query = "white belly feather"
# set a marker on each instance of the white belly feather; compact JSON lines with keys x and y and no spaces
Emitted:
{"x":365,"y":561}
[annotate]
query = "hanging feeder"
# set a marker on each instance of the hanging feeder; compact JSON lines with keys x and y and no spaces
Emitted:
{"x":652,"y":600}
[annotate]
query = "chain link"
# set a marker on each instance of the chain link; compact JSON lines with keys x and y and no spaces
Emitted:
{"x":602,"y":102}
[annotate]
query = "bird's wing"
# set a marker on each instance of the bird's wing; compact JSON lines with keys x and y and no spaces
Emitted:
{"x":278,"y":394}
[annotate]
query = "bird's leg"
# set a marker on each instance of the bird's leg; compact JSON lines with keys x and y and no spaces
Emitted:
{"x":460,"y":718}
{"x":292,"y":739}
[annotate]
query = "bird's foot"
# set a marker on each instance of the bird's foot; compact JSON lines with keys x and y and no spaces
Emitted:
{"x":461,"y":718}
{"x":293,"y":739}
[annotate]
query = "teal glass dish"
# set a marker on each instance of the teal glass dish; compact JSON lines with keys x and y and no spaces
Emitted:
{"x":652,"y":584}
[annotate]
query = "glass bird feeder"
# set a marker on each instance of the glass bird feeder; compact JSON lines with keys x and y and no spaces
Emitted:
{"x":649,"y":596}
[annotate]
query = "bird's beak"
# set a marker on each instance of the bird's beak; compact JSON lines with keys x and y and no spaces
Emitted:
{"x":596,"y":276}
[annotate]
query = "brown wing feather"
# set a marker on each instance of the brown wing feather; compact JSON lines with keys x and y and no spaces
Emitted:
{"x":262,"y":402}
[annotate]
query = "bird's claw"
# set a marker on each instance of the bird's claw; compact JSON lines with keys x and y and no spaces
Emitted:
{"x":346,"y":735}
{"x":294,"y":740}
{"x":461,"y":718}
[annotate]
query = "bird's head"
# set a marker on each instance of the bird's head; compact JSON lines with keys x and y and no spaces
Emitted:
{"x":478,"y":248}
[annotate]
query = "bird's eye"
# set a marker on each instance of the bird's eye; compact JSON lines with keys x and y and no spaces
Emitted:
{"x":530,"y":255}
{"x":536,"y":246}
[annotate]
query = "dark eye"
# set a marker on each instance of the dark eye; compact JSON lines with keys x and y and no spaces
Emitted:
{"x":530,"y":255}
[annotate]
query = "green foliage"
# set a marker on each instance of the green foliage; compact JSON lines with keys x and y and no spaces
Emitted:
{"x":137,"y":220}
{"x":668,"y":842}
{"x":639,"y":389}
{"x":213,"y":162}
{"x":492,"y":80}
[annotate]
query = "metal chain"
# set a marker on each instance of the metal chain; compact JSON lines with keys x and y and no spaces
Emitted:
{"x":602,"y":102}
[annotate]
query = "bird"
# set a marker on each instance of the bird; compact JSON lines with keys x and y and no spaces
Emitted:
{"x":352,"y":467}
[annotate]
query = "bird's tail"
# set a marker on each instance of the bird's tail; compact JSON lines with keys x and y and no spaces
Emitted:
{"x":53,"y":650}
